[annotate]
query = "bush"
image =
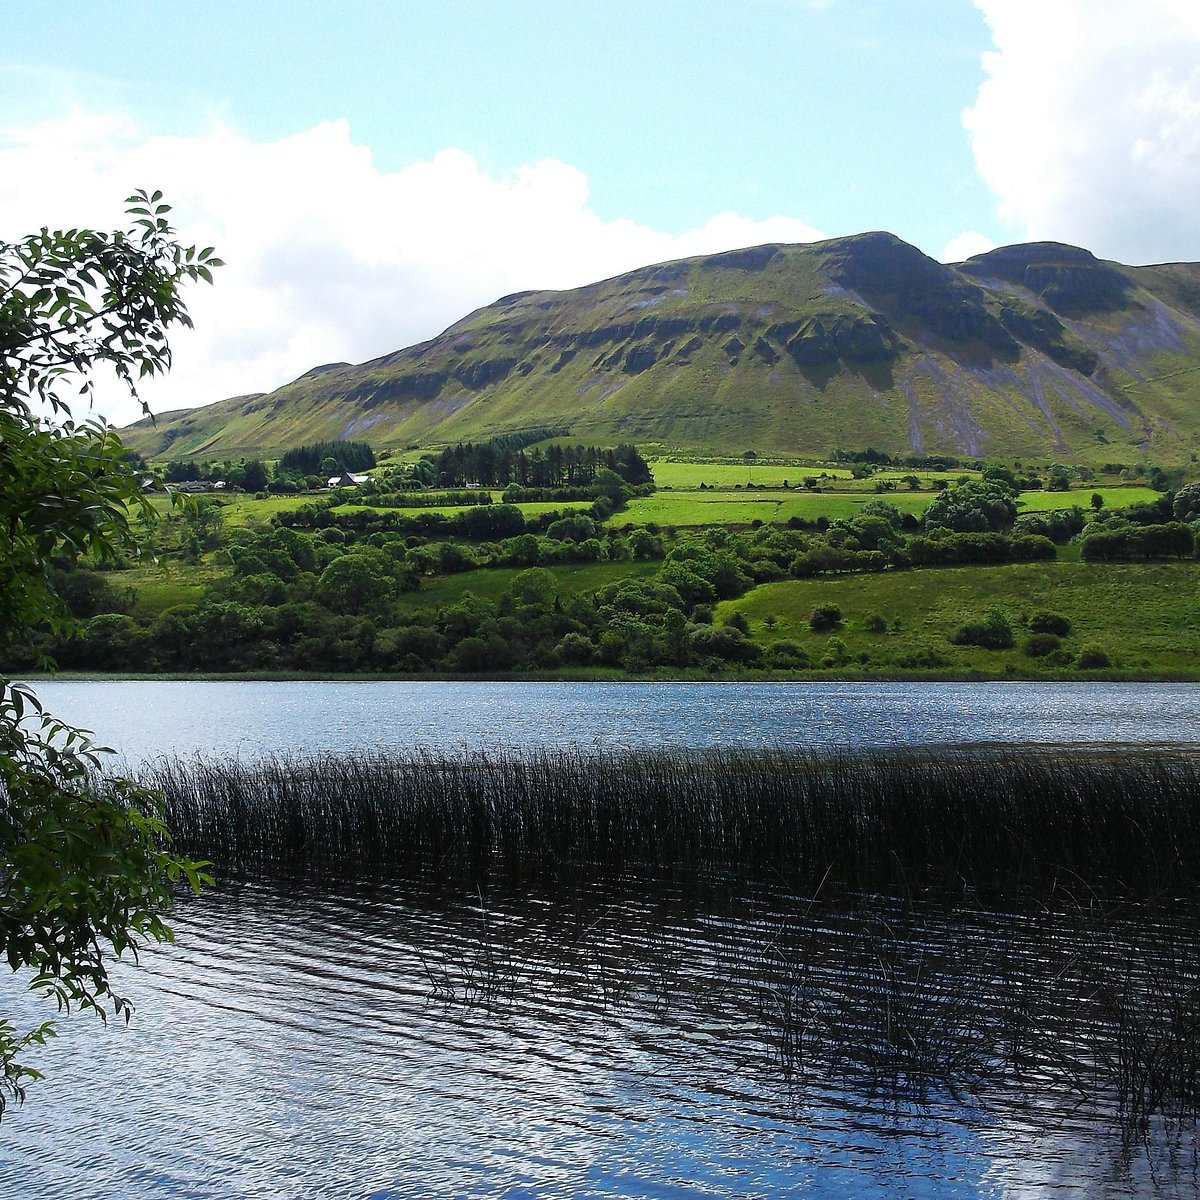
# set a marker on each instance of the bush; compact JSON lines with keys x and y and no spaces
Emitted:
{"x":825,"y":616}
{"x":1092,"y":658}
{"x":575,"y":650}
{"x":835,"y":653}
{"x":1054,"y":623}
{"x":993,"y":633}
{"x":786,"y":655}
{"x":1032,"y":547}
{"x":725,"y":643}
{"x":875,"y":623}
{"x":1041,"y":644}
{"x":923,"y":657}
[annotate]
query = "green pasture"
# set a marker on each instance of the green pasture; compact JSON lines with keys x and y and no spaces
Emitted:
{"x":670,"y":473}
{"x":683,"y":474}
{"x":237,"y":508}
{"x":742,"y":508}
{"x":1113,"y":497}
{"x":1145,"y":616}
{"x":927,"y":478}
{"x":153,"y":587}
{"x":690,"y":509}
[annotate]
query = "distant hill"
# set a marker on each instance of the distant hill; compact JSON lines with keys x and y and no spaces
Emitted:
{"x":1040,"y":351}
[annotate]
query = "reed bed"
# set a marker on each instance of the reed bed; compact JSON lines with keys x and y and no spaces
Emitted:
{"x":1018,"y":820}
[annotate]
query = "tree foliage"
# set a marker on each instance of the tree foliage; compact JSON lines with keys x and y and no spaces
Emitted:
{"x":85,"y":865}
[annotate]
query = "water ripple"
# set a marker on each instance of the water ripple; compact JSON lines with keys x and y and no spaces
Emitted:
{"x":380,"y":1044}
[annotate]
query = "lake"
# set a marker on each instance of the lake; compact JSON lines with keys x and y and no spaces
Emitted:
{"x":419,"y":1038}
{"x":145,"y":718}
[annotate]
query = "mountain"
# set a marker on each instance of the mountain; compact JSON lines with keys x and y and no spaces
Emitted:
{"x":1038,"y":350}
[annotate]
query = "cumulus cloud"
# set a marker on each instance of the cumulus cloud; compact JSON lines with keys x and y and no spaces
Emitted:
{"x":1088,"y":125}
{"x":964,"y":245}
{"x":328,"y":257}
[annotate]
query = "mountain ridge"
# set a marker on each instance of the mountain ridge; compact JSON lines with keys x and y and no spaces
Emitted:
{"x":1038,"y":350}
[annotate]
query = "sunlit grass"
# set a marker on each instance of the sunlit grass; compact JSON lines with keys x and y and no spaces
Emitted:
{"x":1113,"y":497}
{"x":1145,"y":616}
{"x":695,"y":508}
{"x":151,"y":588}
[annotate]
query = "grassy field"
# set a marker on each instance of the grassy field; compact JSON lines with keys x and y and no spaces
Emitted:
{"x":1143,"y":615}
{"x":1113,"y":497}
{"x":690,"y":507}
{"x":671,"y":473}
{"x":691,"y":473}
{"x":153,"y":587}
{"x":239,"y":508}
{"x":694,"y":508}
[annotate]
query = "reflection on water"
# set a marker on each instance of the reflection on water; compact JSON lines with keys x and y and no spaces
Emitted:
{"x":392,"y":1042}
{"x":647,"y":1041}
{"x":145,"y":718}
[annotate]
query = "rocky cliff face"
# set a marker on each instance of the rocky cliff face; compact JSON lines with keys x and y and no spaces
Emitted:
{"x":1028,"y":350}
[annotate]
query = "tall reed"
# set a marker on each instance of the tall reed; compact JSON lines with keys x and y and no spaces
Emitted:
{"x":980,"y":821}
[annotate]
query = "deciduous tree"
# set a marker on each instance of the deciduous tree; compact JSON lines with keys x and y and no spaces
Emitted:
{"x":85,"y":865}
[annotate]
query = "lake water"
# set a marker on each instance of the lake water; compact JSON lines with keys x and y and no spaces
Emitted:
{"x":407,"y":1040}
{"x":145,"y":718}
{"x":378,"y":1044}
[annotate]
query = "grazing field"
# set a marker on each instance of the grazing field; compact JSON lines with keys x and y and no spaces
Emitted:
{"x":237,"y":508}
{"x":742,"y":508}
{"x":1142,"y":615}
{"x":691,"y":507}
{"x":669,"y":473}
{"x":153,"y":587}
{"x":696,"y":508}
{"x":1113,"y":497}
{"x":686,"y":474}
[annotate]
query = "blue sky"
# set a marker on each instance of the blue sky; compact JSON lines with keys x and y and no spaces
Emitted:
{"x":372,"y":171}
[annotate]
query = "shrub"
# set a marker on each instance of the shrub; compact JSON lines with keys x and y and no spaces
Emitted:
{"x":835,"y":653}
{"x":1032,"y":547}
{"x":1092,"y":658}
{"x":786,"y":655}
{"x":922,"y":657}
{"x":738,"y":621}
{"x":575,"y":650}
{"x":875,"y":623}
{"x":726,"y":643}
{"x":1054,"y":623}
{"x":1041,"y":644}
{"x":825,"y":616}
{"x":994,"y":632}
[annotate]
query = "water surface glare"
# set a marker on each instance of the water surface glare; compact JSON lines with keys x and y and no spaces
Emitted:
{"x":298,"y":1044}
{"x":145,"y":718}
{"x":398,"y":1041}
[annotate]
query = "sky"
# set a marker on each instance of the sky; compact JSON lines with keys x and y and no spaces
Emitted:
{"x":371,"y":172}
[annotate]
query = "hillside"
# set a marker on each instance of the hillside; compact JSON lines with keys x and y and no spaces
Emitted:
{"x":1037,"y":350}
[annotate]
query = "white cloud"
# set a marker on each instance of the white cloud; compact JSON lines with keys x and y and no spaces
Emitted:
{"x":960,"y":248}
{"x":329,"y":258}
{"x":1088,"y":124}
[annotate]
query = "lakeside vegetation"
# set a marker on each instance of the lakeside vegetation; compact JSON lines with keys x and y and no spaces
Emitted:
{"x":988,"y":823}
{"x":531,"y":555}
{"x":996,"y":922}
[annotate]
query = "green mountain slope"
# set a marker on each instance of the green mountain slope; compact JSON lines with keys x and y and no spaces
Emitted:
{"x":1038,"y":350}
